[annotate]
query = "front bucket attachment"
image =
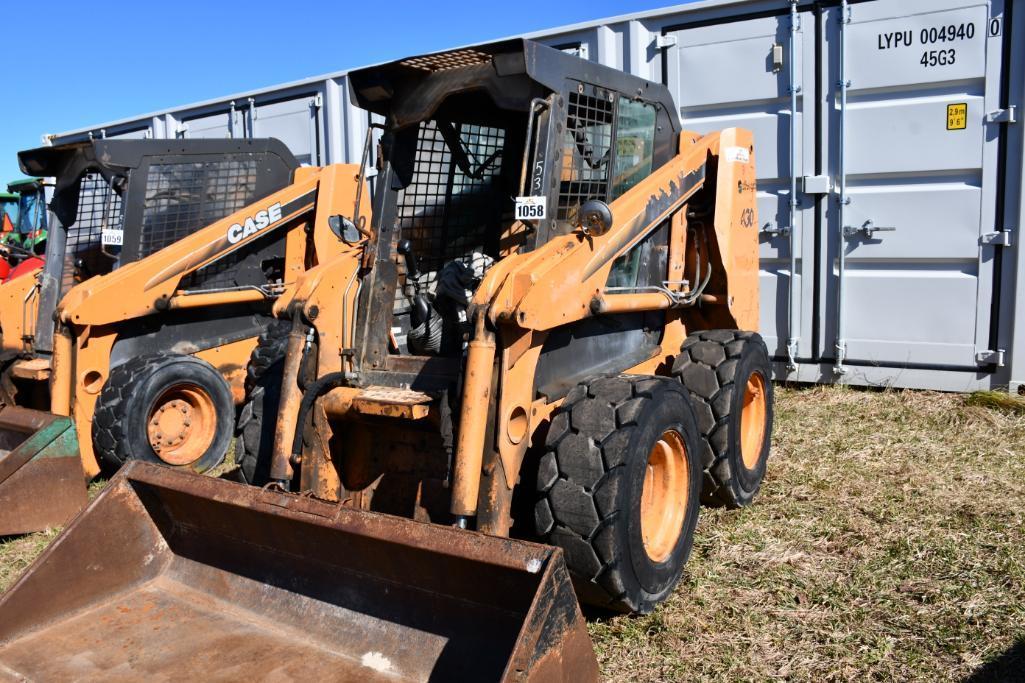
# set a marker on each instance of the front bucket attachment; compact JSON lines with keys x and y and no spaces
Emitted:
{"x":42,"y":484}
{"x":174,"y":576}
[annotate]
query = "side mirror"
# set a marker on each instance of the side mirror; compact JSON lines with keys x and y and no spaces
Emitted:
{"x":594,"y":218}
{"x":344,"y":229}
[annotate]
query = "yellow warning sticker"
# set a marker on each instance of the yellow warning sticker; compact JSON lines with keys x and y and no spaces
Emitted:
{"x":957,"y":116}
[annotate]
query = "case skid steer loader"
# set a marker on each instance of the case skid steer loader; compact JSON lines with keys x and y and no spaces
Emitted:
{"x":117,"y":201}
{"x":543,"y":332}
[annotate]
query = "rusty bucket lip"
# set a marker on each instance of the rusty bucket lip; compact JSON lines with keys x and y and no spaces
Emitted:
{"x":26,"y":420}
{"x":544,"y":563}
{"x":533,"y":558}
{"x":452,"y":541}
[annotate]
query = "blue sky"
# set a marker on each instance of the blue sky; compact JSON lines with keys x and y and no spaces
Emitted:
{"x":74,"y":64}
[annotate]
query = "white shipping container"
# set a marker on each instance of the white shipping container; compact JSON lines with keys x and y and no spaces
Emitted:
{"x":889,"y":153}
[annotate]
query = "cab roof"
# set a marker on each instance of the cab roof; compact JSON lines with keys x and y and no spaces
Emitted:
{"x":512,"y":71}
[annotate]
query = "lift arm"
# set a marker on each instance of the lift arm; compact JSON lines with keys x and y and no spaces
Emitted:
{"x":557,"y":283}
{"x":151,"y":284}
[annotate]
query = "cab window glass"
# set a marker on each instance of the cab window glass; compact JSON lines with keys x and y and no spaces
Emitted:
{"x":645,"y":265}
{"x":635,"y":141}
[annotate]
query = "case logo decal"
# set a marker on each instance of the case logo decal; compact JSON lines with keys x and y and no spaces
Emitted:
{"x":253,"y":224}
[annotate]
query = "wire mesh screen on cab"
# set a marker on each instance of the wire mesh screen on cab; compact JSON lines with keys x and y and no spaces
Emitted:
{"x":587,"y":151}
{"x":449,"y":211}
{"x":182,"y":197}
{"x":178,"y":199}
{"x":99,"y":208}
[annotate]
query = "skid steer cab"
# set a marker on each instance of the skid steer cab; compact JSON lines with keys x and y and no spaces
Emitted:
{"x":116,"y":202}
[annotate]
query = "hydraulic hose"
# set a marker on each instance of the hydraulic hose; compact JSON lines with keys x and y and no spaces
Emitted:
{"x":311,"y":394}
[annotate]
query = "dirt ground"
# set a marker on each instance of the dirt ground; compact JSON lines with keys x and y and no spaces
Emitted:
{"x":888,"y":543}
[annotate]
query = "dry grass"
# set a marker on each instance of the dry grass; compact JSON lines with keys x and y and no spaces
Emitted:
{"x":17,"y":552}
{"x":888,"y":543}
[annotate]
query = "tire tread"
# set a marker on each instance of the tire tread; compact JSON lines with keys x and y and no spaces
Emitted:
{"x":710,"y":379}
{"x":270,"y":350}
{"x":578,"y":515}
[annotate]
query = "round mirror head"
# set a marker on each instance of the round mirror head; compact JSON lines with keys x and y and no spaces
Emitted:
{"x":594,"y":217}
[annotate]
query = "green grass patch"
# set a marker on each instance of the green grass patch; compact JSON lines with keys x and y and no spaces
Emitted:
{"x":997,"y":400}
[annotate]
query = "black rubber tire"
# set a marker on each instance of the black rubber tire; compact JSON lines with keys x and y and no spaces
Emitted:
{"x":124,"y":404}
{"x":590,"y":480}
{"x":714,"y":366}
{"x":254,"y":437}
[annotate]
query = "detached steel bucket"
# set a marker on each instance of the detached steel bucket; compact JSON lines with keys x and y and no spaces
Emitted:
{"x":171,"y":575}
{"x":42,"y":484}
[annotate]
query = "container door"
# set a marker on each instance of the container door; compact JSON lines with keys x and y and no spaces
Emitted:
{"x":740,"y":74}
{"x":137,"y":134}
{"x":296,"y":122}
{"x":920,"y":163}
{"x":218,"y":124}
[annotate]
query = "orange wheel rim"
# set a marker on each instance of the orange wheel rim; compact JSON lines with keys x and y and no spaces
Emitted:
{"x":752,"y":420}
{"x":181,"y":425}
{"x":664,"y":496}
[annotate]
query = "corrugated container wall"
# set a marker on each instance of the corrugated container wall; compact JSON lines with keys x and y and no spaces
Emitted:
{"x":889,"y":148}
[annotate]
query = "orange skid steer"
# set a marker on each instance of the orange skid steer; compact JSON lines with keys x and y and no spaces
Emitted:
{"x":116,"y":202}
{"x":520,"y":373}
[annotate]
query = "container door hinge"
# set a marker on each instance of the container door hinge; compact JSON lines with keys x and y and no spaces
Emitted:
{"x":990,"y":357}
{"x":1009,"y":115}
{"x":816,"y":184}
{"x":780,"y":231}
{"x":1001,"y":238}
{"x":662,"y":42}
{"x":579,"y":50}
{"x":317,"y":102}
{"x":181,"y":129}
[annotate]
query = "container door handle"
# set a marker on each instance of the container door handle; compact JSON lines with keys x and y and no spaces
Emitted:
{"x":868,"y":229}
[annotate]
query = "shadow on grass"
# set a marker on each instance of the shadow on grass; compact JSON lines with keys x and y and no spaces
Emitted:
{"x":1010,"y":666}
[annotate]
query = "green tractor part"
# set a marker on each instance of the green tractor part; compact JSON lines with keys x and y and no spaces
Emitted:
{"x":30,"y":229}
{"x":41,"y":480}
